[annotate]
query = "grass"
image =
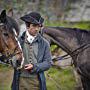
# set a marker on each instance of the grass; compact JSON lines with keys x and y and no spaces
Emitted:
{"x":60,"y":79}
{"x":56,"y":79}
{"x":81,"y":25}
{"x":6,"y":74}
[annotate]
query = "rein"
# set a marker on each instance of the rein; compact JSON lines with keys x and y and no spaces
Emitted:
{"x":73,"y":53}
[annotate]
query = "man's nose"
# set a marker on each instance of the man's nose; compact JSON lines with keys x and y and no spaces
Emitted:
{"x":37,"y":28}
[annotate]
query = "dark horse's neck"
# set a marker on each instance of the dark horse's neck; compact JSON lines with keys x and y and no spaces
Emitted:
{"x":69,"y":39}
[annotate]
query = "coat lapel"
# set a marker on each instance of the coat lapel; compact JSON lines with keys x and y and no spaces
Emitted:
{"x":40,"y":48}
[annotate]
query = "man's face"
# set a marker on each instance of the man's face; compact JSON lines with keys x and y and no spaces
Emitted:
{"x":33,"y":29}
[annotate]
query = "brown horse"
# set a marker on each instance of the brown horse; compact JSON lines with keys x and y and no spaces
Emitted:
{"x":10,"y":49}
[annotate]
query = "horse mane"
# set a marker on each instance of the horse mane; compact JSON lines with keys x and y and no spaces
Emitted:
{"x":77,"y":32}
{"x":11,"y":23}
{"x":72,"y":29}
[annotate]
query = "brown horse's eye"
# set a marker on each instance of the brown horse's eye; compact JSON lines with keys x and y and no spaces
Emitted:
{"x":5,"y":34}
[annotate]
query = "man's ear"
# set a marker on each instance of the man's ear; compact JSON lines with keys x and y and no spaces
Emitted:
{"x":10,"y":12}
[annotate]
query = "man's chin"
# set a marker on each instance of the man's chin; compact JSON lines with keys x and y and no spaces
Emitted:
{"x":34,"y":34}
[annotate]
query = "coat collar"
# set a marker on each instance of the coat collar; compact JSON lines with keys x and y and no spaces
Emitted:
{"x":38,"y":38}
{"x":29,"y":37}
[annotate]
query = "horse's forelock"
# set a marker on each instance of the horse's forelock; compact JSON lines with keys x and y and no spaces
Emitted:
{"x":12,"y":25}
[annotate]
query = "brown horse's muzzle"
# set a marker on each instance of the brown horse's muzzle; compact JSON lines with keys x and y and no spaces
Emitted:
{"x":17,"y":62}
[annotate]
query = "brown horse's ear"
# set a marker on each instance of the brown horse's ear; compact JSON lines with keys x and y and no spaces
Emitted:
{"x":3,"y":16}
{"x":3,"y":13}
{"x":10,"y":12}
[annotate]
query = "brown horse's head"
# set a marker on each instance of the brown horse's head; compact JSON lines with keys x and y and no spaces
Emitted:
{"x":10,"y":48}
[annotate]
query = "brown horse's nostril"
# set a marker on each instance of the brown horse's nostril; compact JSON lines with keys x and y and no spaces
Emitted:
{"x":7,"y":53}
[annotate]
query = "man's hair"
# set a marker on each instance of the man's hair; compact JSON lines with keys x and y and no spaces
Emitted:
{"x":27,"y":24}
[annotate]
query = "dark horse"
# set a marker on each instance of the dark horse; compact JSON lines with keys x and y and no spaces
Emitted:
{"x":10,"y":49}
{"x":76,"y":43}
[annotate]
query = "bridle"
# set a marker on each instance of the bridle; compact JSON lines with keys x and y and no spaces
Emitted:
{"x":8,"y":58}
{"x":77,"y":51}
{"x":74,"y":53}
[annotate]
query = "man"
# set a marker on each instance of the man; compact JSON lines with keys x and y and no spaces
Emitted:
{"x":37,"y":56}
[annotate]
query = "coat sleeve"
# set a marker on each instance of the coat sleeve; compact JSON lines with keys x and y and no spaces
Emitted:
{"x":46,"y":61}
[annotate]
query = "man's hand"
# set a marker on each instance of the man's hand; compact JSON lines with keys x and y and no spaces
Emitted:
{"x":28,"y":66}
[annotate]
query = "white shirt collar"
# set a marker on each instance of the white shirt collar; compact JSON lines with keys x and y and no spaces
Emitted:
{"x":30,"y":38}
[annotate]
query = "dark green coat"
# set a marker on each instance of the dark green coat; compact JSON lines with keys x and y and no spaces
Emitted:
{"x":44,"y":63}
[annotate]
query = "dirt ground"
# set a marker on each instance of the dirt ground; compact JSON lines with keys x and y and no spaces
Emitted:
{"x":6,"y":75}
